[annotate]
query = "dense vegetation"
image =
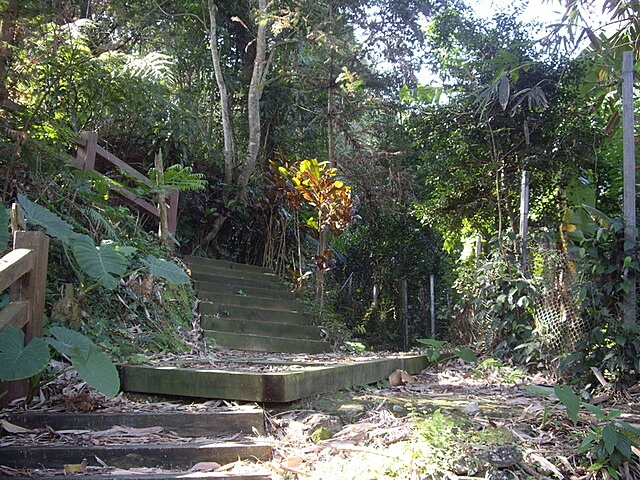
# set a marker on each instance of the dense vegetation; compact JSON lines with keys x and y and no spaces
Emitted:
{"x":419,"y":180}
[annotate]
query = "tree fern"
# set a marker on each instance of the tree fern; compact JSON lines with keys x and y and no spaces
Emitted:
{"x":154,"y":67}
{"x":180,"y":178}
{"x":99,"y":221}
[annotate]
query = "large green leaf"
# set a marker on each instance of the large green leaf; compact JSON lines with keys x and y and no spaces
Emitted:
{"x":91,"y":363}
{"x":69,"y":342}
{"x":16,"y":360}
{"x":569,"y":399}
{"x":4,"y":228}
{"x":167,"y":270}
{"x":104,"y":263}
{"x":95,"y":368}
{"x":54,"y":225}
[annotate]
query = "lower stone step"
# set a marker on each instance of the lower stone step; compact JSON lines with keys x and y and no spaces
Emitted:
{"x":95,"y":474}
{"x":222,"y":422}
{"x":253,"y":313}
{"x":259,"y":327}
{"x":169,"y":456}
{"x":261,"y":343}
{"x":275,"y":304}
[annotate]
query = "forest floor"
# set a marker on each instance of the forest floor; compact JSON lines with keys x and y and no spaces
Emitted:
{"x":455,"y":421}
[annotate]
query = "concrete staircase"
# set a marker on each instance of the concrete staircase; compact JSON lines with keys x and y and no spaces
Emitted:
{"x":245,"y":307}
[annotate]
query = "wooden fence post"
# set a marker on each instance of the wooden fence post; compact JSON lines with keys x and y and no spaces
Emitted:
{"x":172,"y":211}
{"x":30,"y":288}
{"x":86,"y":156}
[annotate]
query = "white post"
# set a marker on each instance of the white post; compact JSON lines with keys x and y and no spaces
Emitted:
{"x":432,"y":292}
{"x":524,"y":221}
{"x":629,"y":169}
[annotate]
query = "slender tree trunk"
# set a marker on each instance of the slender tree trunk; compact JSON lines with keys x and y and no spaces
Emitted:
{"x":230,"y":150}
{"x":253,"y":103}
{"x":7,"y":36}
{"x":331,"y":142}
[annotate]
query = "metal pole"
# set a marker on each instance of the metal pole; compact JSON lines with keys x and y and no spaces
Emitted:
{"x":629,"y":194}
{"x":404,"y":300}
{"x":524,"y":221}
{"x":432,"y":291}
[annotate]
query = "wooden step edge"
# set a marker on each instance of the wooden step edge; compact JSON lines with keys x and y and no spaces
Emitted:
{"x":214,"y":263}
{"x":264,"y":294}
{"x":267,"y":338}
{"x":121,"y":475}
{"x":242,"y":419}
{"x":290,"y":306}
{"x":164,"y":456}
{"x":235,"y":324}
{"x":294,"y":322}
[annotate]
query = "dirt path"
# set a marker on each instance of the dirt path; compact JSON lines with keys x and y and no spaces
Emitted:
{"x":458,"y":422}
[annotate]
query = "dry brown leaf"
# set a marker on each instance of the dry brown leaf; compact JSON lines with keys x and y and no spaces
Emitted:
{"x":400,"y":377}
{"x":546,"y":464}
{"x":11,"y":428}
{"x":294,"y":462}
{"x":205,"y":467}
{"x":73,"y":468}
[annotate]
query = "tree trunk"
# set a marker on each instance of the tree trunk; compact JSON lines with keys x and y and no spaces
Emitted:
{"x":230,"y":150}
{"x":253,"y":103}
{"x":7,"y":35}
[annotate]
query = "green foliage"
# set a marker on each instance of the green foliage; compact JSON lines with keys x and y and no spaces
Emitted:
{"x":377,"y":252}
{"x":179,"y":177}
{"x":91,"y":363}
{"x":106,"y":263}
{"x":602,"y":263}
{"x":4,"y":228}
{"x":607,"y":441}
{"x":435,"y":352}
{"x":495,"y":302}
{"x":18,"y":361}
{"x":103,"y":263}
{"x":167,"y":270}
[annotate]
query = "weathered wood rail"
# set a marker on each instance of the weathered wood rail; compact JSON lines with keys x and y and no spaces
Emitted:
{"x":24,"y":272}
{"x":91,"y":156}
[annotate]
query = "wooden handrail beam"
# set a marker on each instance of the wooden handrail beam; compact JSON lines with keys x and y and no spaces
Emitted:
{"x":111,"y":159}
{"x":15,"y":314}
{"x":89,"y":152}
{"x":15,"y":265}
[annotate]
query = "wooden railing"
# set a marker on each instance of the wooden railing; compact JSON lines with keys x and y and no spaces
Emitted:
{"x":92,"y":156}
{"x":24,"y":272}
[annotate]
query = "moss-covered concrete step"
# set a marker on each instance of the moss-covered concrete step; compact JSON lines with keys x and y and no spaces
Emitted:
{"x":222,"y":422}
{"x":295,"y":382}
{"x":240,"y":281}
{"x":258,"y":314}
{"x":266,"y":343}
{"x":250,"y":302}
{"x":257,"y":327}
{"x":232,"y":289}
{"x":201,"y":263}
{"x":165,"y":456}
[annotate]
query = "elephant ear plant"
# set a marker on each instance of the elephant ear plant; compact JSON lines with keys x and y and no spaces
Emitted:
{"x":19,"y":361}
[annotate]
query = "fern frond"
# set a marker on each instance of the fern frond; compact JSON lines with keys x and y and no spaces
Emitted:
{"x":155,"y":67}
{"x":99,"y":221}
{"x":180,"y":178}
